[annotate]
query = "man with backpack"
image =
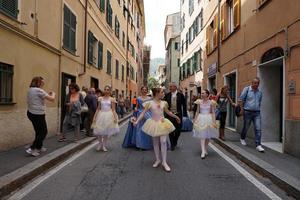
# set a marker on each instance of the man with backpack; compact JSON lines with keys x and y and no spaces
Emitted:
{"x":250,"y":102}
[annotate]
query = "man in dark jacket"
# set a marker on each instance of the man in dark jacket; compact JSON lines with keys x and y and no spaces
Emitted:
{"x":176,"y":104}
{"x":91,"y":101}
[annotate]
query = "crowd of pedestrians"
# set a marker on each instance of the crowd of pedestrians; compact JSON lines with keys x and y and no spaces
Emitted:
{"x":157,"y":119}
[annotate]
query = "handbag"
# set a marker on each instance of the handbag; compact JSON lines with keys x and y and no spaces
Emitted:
{"x":218,"y":111}
{"x":84,"y":108}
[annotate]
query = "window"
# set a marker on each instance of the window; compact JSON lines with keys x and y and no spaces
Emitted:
{"x":108,"y":62}
{"x":182,"y":47}
{"x":186,"y":40}
{"x":188,"y":67}
{"x":69,"y":30}
{"x":196,"y":25}
{"x":6,"y":83}
{"x":123,"y":72}
{"x":191,"y":6}
{"x":200,"y":21}
{"x":117,"y":27}
{"x":109,"y":13}
{"x":176,"y":46}
{"x":9,"y":7}
{"x":92,"y":48}
{"x":230,"y":17}
{"x":190,"y":35}
{"x":183,"y":21}
{"x":123,"y":39}
{"x":180,"y":73}
{"x":212,"y":35}
{"x":117,"y":69}
{"x":100,"y":55}
{"x":183,"y":71}
{"x":101,"y":5}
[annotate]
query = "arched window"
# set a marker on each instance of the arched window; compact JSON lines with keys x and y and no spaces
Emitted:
{"x":272,"y":54}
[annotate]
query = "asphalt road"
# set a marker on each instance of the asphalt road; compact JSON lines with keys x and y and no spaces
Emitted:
{"x":127,"y":174}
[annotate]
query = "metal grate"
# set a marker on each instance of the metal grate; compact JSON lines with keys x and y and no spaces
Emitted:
{"x":10,"y":7}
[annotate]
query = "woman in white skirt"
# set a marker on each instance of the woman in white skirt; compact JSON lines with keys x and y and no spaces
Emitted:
{"x":205,"y":126}
{"x":105,"y":122}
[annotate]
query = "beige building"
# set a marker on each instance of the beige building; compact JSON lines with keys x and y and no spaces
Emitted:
{"x":192,"y":45}
{"x":172,"y":45}
{"x":91,"y":42}
{"x":247,"y":38}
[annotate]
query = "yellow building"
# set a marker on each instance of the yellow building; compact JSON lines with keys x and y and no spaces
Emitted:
{"x":247,"y":38}
{"x":91,"y":42}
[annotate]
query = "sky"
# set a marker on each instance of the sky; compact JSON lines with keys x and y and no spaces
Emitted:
{"x":156,"y":12}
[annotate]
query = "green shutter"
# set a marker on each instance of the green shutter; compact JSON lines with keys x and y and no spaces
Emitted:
{"x":108,"y":62}
{"x":73,"y":32}
{"x":9,"y":7}
{"x":100,"y":55}
{"x":66,"y":39}
{"x":90,"y":47}
{"x":102,"y":5}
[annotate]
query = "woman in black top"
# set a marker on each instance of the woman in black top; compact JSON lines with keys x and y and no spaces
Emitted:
{"x":222,"y":99}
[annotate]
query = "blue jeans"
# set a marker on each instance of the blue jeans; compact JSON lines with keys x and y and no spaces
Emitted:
{"x":255,"y":117}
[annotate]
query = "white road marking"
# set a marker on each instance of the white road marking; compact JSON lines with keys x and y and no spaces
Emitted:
{"x":247,"y":175}
{"x":36,"y":182}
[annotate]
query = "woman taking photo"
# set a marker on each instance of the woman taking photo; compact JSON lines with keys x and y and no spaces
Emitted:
{"x":36,"y":97}
{"x":222,"y":100}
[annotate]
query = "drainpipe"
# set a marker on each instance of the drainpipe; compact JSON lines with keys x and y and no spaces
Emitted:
{"x":85,"y":34}
{"x":286,"y":50}
{"x":219,"y":35}
{"x":126,"y":49}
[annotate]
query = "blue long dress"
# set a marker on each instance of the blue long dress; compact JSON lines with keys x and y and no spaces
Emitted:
{"x":135,"y":137}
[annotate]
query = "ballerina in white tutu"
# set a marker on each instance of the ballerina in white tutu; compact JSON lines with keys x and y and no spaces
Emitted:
{"x":158,"y":127}
{"x":105,"y":122}
{"x":205,"y":126}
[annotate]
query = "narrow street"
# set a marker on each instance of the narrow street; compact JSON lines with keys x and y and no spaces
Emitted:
{"x":128,"y":174}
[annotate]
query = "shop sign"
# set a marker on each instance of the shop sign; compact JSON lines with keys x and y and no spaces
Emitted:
{"x":212,"y":70}
{"x":292,"y":87}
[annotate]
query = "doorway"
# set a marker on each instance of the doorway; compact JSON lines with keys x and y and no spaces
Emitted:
{"x":211,"y":83}
{"x":66,"y":81}
{"x":231,"y":81}
{"x":271,"y":73}
{"x":94,"y":83}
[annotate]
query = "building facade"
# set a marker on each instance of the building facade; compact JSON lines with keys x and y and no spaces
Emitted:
{"x":146,"y":63}
{"x":161,"y":75}
{"x":191,"y":48}
{"x":247,"y":39}
{"x":91,"y":42}
{"x":172,"y":45}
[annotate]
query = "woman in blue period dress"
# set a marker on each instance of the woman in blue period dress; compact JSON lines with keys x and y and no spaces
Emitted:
{"x":135,"y":136}
{"x":205,"y":126}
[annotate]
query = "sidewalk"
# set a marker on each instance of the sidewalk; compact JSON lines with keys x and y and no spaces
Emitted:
{"x":17,"y":167}
{"x":282,"y":169}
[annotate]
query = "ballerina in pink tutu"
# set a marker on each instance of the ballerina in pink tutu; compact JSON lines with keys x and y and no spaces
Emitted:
{"x":205,"y":126}
{"x":158,"y":127}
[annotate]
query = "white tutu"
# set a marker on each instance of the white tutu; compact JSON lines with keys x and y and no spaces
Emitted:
{"x":204,"y":127}
{"x":105,"y":124}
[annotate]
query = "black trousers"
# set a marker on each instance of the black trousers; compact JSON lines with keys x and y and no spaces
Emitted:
{"x":88,"y":121}
{"x":40,"y":128}
{"x":175,"y":134}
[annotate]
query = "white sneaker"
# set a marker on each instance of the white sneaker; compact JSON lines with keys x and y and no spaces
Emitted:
{"x":260,"y":149}
{"x":43,"y":149}
{"x":29,"y":151}
{"x":243,"y":142}
{"x":35,"y":153}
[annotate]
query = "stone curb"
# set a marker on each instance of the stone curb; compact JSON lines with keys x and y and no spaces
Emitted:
{"x":283,"y":180}
{"x":16,"y":179}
